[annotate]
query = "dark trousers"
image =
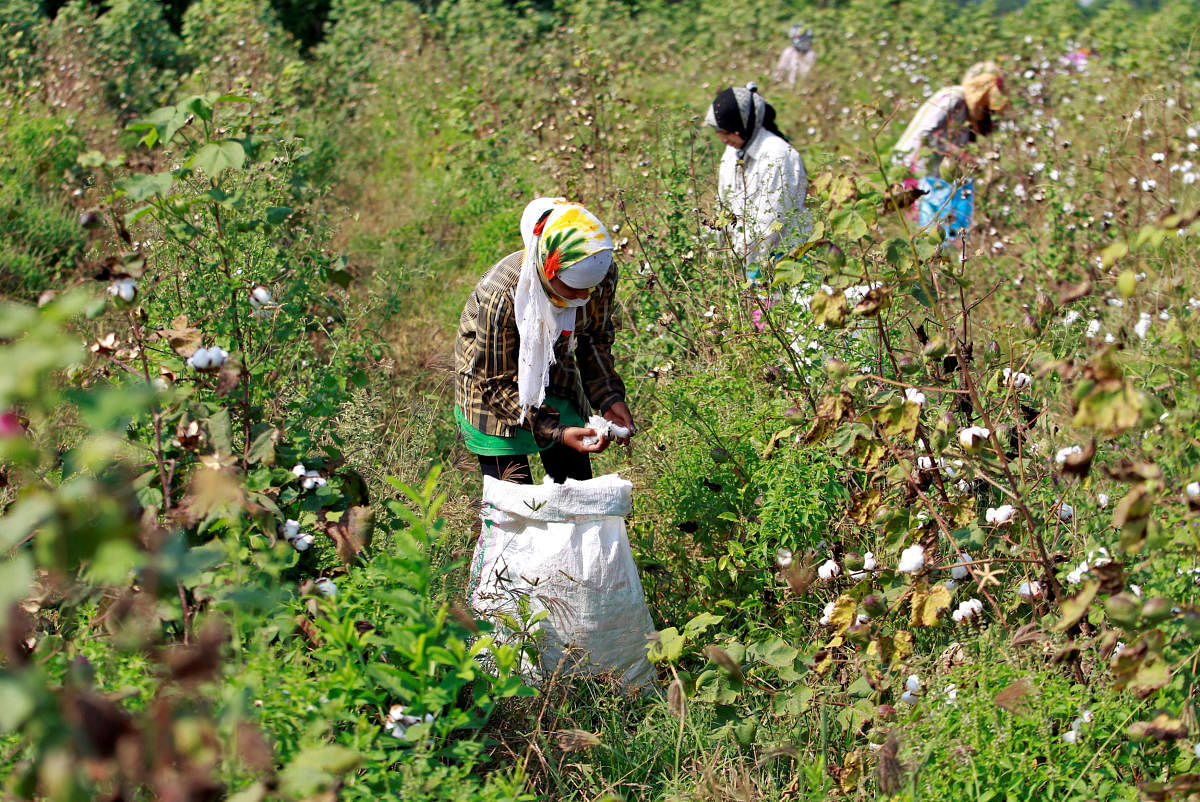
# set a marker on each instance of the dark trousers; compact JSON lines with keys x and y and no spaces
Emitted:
{"x":561,"y":463}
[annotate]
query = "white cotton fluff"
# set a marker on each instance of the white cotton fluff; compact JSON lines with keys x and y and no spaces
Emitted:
{"x":260,"y":296}
{"x":124,"y":288}
{"x":967,"y":610}
{"x":291,"y":529}
{"x":605,"y":429}
{"x":913,"y":684}
{"x":327,"y":586}
{"x":1029,"y":590}
{"x":398,"y":721}
{"x":208,"y":358}
{"x":826,"y":613}
{"x":915,"y":396}
{"x":299,"y":469}
{"x":312,"y":479}
{"x":783,"y":558}
{"x":1000,"y":515}
{"x":912,"y":559}
{"x":1102,"y":499}
{"x":973,"y":437}
{"x":1016,"y":379}
{"x":1193,"y":490}
{"x":959,"y":570}
{"x":869,"y":565}
{"x":1063,"y":453}
{"x":1065,"y":512}
{"x":828,"y":570}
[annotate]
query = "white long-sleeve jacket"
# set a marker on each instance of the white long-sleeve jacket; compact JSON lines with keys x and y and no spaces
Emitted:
{"x":766,"y":194}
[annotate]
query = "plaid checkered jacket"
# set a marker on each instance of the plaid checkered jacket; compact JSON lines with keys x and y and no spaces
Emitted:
{"x":485,"y":357}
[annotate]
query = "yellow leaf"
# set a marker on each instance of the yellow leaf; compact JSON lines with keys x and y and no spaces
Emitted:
{"x":927,"y":604}
{"x":902,"y":645}
{"x":843,"y":613}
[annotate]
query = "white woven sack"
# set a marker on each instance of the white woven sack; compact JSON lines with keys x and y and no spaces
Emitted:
{"x":565,"y":548}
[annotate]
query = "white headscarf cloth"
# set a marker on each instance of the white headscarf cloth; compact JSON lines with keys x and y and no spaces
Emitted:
{"x":579,"y":250}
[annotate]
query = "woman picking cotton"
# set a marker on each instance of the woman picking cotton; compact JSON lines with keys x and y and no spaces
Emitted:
{"x":933,"y":146}
{"x":534,"y":350}
{"x":797,"y":59}
{"x":762,"y":182}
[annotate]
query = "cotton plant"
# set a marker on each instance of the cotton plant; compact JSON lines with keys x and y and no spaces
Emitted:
{"x":1000,"y":516}
{"x":124,"y":288}
{"x":967,"y":610}
{"x":912,"y":690}
{"x":912,"y":560}
{"x":972,"y":438}
{"x":829,"y":570}
{"x":207,"y":360}
{"x":300,"y":541}
{"x":309,"y":479}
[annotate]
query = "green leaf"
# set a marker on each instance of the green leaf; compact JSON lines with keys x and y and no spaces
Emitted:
{"x":16,"y":703}
{"x":15,"y":575}
{"x":220,"y":432}
{"x":263,"y":448}
{"x":277,"y":214}
{"x":776,"y":653}
{"x":700,"y":623}
{"x":339,"y":277}
{"x":141,"y":187}
{"x":216,"y":157}
{"x":1076,"y":607}
{"x":1113,"y":252}
{"x":668,"y":647}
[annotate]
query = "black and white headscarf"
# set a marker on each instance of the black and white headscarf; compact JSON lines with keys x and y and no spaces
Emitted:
{"x":742,"y":111}
{"x":801,"y":37}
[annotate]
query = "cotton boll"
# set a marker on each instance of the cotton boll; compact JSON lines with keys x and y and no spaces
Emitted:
{"x":217,"y":356}
{"x":869,"y":565}
{"x":783,"y":558}
{"x":1065,"y":512}
{"x":1029,"y":590}
{"x":912,"y":559}
{"x":298,"y":469}
{"x":826,"y":613}
{"x":828,"y":570}
{"x":260,"y":296}
{"x":960,"y":571}
{"x":1193,"y":490}
{"x":913,"y":684}
{"x":973,"y":437}
{"x":200,"y":359}
{"x":1000,"y":515}
{"x":312,"y":479}
{"x":327,"y":586}
{"x":1102,"y":499}
{"x":1070,"y":736}
{"x":302,"y":542}
{"x":1063,"y":453}
{"x":291,"y":529}
{"x":124,"y":288}
{"x":908,"y":697}
{"x":913,"y":395}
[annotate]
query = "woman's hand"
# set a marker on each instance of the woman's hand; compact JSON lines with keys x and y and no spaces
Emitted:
{"x":574,"y":437}
{"x":619,"y":414}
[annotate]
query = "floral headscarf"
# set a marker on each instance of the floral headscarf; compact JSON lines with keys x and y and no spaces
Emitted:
{"x":564,"y":240}
{"x":983,"y":89}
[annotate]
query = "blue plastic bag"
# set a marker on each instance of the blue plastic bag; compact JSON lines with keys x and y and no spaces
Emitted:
{"x":949,"y":205}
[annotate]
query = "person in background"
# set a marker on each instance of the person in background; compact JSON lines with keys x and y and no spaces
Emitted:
{"x":534,"y":349}
{"x":933,"y":145}
{"x":797,"y":59}
{"x":761,"y":182}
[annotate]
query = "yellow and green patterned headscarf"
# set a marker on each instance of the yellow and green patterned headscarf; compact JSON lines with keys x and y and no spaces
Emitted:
{"x":562,"y":240}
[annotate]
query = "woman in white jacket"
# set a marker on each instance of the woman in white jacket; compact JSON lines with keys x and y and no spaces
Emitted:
{"x":762,"y":182}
